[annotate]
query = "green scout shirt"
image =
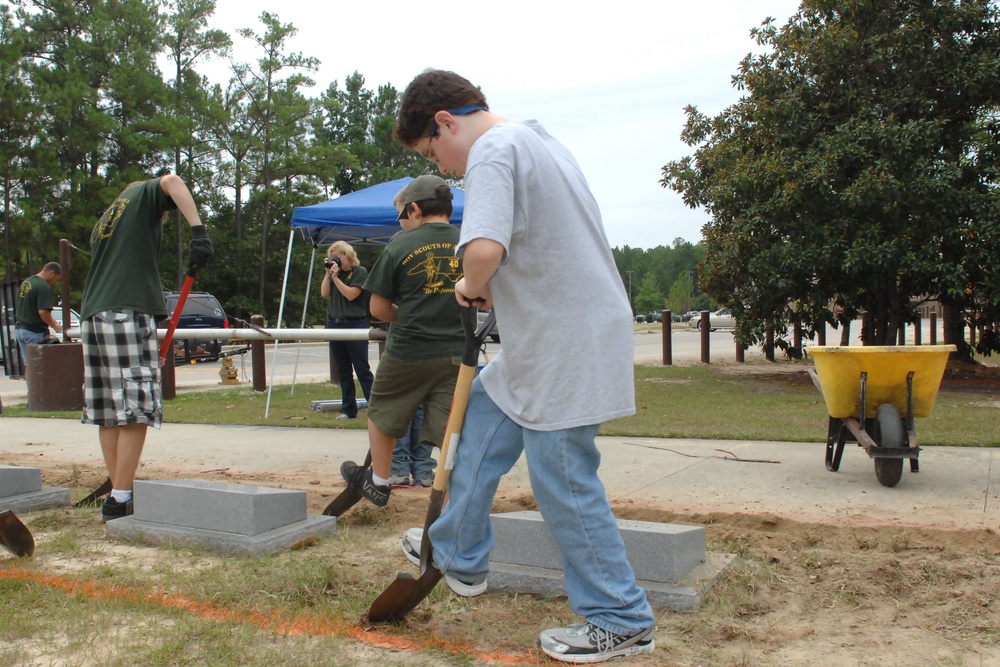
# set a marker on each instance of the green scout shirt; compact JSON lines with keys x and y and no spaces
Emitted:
{"x":125,"y":245}
{"x":417,"y":271}
{"x":35,"y":295}
{"x":338,"y":307}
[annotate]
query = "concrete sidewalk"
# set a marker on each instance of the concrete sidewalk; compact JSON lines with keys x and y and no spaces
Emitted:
{"x":956,"y":487}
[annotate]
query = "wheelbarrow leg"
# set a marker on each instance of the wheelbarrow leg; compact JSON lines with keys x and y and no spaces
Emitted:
{"x":835,"y":440}
{"x":911,"y":429}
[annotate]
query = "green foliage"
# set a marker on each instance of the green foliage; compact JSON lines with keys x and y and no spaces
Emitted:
{"x":84,"y":109}
{"x":662,"y":264}
{"x":650,"y":299}
{"x":681,"y":296}
{"x":858,"y":170}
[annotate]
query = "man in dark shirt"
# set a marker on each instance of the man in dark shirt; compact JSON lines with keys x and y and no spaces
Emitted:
{"x":34,"y":308}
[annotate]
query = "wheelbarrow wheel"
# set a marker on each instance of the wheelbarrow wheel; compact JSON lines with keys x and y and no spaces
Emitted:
{"x":889,"y":426}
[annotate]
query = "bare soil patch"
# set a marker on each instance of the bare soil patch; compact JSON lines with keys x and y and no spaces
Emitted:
{"x":799,"y":594}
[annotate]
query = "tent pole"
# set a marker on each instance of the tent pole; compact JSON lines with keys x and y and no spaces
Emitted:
{"x":281,"y":312}
{"x":305,"y":309}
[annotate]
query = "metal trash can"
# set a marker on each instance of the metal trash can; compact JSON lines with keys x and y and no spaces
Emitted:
{"x":55,"y":377}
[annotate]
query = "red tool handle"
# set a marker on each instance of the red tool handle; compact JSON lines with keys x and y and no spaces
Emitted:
{"x":178,"y":309}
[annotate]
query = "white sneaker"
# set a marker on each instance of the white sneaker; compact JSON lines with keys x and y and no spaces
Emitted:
{"x":411,"y":549}
{"x":586,"y":643}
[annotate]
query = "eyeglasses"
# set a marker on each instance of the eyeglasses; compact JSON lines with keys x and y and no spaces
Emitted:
{"x":432,"y":126}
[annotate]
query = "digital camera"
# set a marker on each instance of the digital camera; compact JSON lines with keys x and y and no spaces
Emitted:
{"x":330,"y":262}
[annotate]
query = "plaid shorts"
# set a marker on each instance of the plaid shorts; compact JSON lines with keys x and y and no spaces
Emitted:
{"x":121,"y":369}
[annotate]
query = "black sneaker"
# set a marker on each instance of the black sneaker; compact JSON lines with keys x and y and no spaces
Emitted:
{"x":112,"y":509}
{"x":360,"y":479}
{"x":585,"y":643}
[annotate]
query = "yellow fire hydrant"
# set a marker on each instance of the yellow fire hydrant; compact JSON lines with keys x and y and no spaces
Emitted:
{"x":228,"y":373}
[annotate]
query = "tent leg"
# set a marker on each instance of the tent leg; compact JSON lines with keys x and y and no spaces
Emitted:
{"x":305,"y":309}
{"x":281,"y":313}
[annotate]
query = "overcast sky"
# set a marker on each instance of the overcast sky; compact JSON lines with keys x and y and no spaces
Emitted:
{"x":610,"y":82}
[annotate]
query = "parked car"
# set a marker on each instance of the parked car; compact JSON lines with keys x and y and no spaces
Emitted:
{"x":201,"y":311}
{"x":494,"y":334}
{"x":649,"y":318}
{"x":720,"y":319}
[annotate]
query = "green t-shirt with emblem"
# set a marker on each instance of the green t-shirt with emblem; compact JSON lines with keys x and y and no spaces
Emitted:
{"x":125,"y":245}
{"x":417,"y":271}
{"x":35,"y":294}
{"x":337,"y":306}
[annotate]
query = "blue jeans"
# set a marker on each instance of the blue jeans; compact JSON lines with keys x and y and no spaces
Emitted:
{"x":562,"y":466}
{"x":410,"y":456}
{"x":347,"y":355}
{"x":25,"y":338}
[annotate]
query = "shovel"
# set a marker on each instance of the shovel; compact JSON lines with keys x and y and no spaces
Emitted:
{"x":406,"y":592}
{"x":95,"y":496}
{"x":15,"y":535}
{"x":178,"y":309}
{"x":348,"y":498}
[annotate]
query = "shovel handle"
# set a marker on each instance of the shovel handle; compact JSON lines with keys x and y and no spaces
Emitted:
{"x":405,"y":592}
{"x":175,"y":318}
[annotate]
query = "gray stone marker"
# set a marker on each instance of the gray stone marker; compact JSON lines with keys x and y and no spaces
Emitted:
{"x":231,"y":519}
{"x":21,"y":490}
{"x":669,"y":560}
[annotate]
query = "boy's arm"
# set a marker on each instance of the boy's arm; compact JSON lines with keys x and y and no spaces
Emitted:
{"x":46,"y":316}
{"x":480,"y":260}
{"x":382,"y":308}
{"x":174,"y":187}
{"x":200,"y":249}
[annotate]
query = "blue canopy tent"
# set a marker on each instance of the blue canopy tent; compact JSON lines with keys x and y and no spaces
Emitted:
{"x":365,"y":217}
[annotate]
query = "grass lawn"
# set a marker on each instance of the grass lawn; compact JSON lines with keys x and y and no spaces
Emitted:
{"x":752,"y":402}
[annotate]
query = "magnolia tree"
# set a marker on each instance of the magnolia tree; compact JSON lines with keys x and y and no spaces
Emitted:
{"x":858,"y":172}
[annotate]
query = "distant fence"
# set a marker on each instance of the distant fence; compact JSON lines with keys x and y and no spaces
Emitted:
{"x":911,"y":334}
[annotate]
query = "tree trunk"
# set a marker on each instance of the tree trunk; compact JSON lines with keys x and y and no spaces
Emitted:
{"x":265,"y":210}
{"x":8,"y":270}
{"x":845,"y":333}
{"x":954,"y":330}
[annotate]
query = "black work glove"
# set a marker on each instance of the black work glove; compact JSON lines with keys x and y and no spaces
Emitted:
{"x":200,"y":250}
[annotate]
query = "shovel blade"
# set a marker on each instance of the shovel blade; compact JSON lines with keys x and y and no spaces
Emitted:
{"x":95,"y":496}
{"x":402,"y":595}
{"x":347,"y":498}
{"x":15,"y":535}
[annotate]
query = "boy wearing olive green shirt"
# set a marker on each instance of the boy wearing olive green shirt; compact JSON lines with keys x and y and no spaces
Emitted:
{"x":412,"y":286}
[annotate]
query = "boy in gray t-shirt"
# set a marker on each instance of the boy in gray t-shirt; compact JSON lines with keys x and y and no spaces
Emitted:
{"x":532,"y":244}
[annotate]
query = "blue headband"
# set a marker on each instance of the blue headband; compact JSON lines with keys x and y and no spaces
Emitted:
{"x":460,"y":111}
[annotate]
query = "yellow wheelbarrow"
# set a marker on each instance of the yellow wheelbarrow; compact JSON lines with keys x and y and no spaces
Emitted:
{"x":893,"y":383}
